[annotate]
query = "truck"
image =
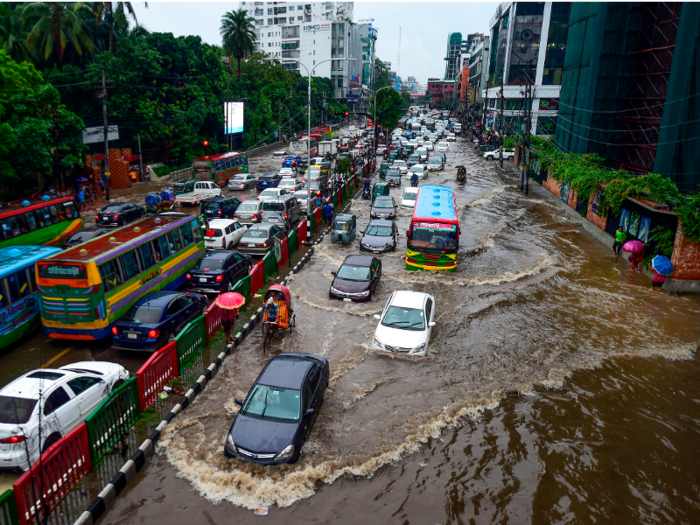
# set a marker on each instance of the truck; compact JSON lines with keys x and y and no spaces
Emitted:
{"x":327,"y":146}
{"x":202,"y":190}
{"x":457,"y":128}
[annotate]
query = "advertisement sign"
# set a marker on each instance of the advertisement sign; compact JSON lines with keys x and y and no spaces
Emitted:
{"x":96,"y":134}
{"x":233,"y":117}
{"x":316,"y":27}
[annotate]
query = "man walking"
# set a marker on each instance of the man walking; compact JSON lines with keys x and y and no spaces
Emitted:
{"x":328,"y":213}
{"x":620,"y":237}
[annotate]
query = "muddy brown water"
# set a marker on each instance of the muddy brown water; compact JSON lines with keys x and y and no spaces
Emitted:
{"x":558,"y":388}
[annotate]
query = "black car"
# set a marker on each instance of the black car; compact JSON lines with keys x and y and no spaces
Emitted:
{"x":268,"y":180}
{"x":356,"y":279}
{"x":393,"y":176}
{"x":218,"y":271}
{"x":118,"y":214}
{"x":280,"y":409}
{"x":220,"y":207}
{"x":383,"y":207}
{"x":84,"y":235}
{"x":380,"y":236}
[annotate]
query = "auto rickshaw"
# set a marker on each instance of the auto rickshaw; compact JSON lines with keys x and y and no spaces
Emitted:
{"x":393,"y":155}
{"x":286,"y":319}
{"x":168,"y":202}
{"x":409,"y":149}
{"x":344,"y":228}
{"x":184,"y":186}
{"x":382,"y":169}
{"x":461,"y":174}
{"x":380,"y":188}
{"x":153,"y":203}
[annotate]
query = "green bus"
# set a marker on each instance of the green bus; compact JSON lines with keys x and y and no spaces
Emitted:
{"x":45,"y":224}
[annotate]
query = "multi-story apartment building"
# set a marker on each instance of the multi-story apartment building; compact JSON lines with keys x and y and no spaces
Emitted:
{"x":453,"y":55}
{"x":441,"y":90}
{"x":528,"y":44}
{"x":478,"y":68}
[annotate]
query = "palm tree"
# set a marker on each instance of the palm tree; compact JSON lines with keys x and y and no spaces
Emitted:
{"x":12,"y":32}
{"x":54,"y":26}
{"x":115,"y":17}
{"x":238,"y":35}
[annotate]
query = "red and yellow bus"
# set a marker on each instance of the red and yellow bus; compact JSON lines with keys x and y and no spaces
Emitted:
{"x":220,"y":168}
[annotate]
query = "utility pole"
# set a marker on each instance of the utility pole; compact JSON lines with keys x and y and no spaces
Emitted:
{"x":502,"y":130}
{"x":529,"y":101}
{"x":141,"y":158}
{"x":104,"y":124}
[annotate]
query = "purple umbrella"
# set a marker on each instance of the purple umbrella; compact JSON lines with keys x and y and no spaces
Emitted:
{"x":633,"y":246}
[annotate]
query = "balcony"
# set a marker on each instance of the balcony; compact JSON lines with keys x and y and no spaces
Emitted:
{"x":290,"y":32}
{"x":291,"y":54}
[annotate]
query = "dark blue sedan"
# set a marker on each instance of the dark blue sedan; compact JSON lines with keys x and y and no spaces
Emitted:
{"x":289,"y":161}
{"x":218,"y":271}
{"x":277,"y":415}
{"x":156,"y":319}
{"x":268,"y":180}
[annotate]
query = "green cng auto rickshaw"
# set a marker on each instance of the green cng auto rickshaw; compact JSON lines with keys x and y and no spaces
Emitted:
{"x":344,"y":228}
{"x":184,"y":186}
{"x":382,"y":169}
{"x":380,"y":188}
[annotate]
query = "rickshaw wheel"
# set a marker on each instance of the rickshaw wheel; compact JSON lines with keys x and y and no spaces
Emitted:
{"x":292,"y":322}
{"x":267,"y":337}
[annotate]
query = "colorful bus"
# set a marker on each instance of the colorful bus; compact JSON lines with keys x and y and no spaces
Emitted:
{"x":44,"y":224}
{"x":300,"y":147}
{"x":220,"y":168}
{"x":19,"y":308}
{"x":83,"y":291}
{"x":433,"y":235}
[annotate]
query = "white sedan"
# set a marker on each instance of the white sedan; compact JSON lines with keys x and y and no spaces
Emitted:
{"x":401,"y":165}
{"x":271,"y":193}
{"x":40,"y":407}
{"x":428,"y":145}
{"x":223,"y":234}
{"x":495,"y":154}
{"x":287,"y":172}
{"x":406,"y":323}
{"x":292,"y":183}
{"x":442,"y":146}
{"x":420,"y":170}
{"x":408,"y":199}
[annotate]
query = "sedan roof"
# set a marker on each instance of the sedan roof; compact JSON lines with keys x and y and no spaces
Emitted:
{"x":380,"y":222}
{"x":285,"y":372}
{"x":360,"y":260}
{"x":406,"y":299}
{"x":219,"y":255}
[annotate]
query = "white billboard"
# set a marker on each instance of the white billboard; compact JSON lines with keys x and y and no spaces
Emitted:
{"x":233,"y":113}
{"x":96,"y":134}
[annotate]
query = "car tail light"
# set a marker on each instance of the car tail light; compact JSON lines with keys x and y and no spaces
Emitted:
{"x":152,"y":334}
{"x":285,"y":215}
{"x":116,"y":217}
{"x":264,"y":245}
{"x":96,"y":217}
{"x":219,"y":278}
{"x":255,"y":216}
{"x":13,"y":439}
{"x":114,"y":330}
{"x":235,"y":216}
{"x":219,"y":212}
{"x":188,"y":277}
{"x":261,"y":214}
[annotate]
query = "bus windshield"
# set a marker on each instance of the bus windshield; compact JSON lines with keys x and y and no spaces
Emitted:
{"x":433,"y":235}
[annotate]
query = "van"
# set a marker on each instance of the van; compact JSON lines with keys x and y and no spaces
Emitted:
{"x":282,"y":211}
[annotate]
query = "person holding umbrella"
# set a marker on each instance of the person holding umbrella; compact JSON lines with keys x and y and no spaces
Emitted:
{"x":229,"y":303}
{"x":661,"y":267}
{"x":636,"y":248}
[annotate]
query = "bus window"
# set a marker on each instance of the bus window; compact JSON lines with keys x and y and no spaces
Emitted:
{"x":31,"y":220}
{"x":163,"y":250}
{"x":245,"y":160}
{"x":178,"y":240}
{"x":23,"y":223}
{"x":186,"y":232}
{"x":146,"y":256}
{"x":6,"y":228}
{"x":13,"y":288}
{"x":14,"y":226}
{"x":45,"y":216}
{"x":3,"y":295}
{"x":197,"y":232}
{"x":110,"y":275}
{"x":32,"y":277}
{"x":39,"y":216}
{"x":25,"y":288}
{"x":129,"y":265}
{"x":61,"y":213}
{"x":53,"y":212}
{"x":71,"y":212}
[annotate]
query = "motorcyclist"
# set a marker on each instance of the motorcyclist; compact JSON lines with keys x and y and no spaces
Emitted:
{"x":414,"y":179}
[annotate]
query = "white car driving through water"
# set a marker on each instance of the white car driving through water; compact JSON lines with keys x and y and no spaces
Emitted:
{"x":405,"y":324}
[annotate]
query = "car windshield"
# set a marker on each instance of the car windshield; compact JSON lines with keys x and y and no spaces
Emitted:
{"x":269,"y":402}
{"x":287,"y":183}
{"x":247,"y":206}
{"x":353,"y":273}
{"x":404,"y":318}
{"x":16,"y":410}
{"x":143,"y":314}
{"x":400,"y":163}
{"x":273,"y":206}
{"x":341,"y":225}
{"x":211,"y":206}
{"x":433,"y":235}
{"x":410,"y":196}
{"x":379,"y":231}
{"x":417,"y":169}
{"x":238,"y":178}
{"x":256,"y":234}
{"x":434,"y":160}
{"x":208,"y":264}
{"x":269,"y":193}
{"x":393,"y":172}
{"x":112,"y":208}
{"x":383,"y":203}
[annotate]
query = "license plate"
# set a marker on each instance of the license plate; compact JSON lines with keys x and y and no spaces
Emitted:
{"x":347,"y":300}
{"x":104,"y":218}
{"x":132,"y":335}
{"x":376,"y":251}
{"x":202,"y":280}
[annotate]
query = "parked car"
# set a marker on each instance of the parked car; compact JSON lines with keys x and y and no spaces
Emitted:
{"x":279,"y":411}
{"x":408,"y":199}
{"x":495,"y":154}
{"x":218,"y":271}
{"x":156,"y":319}
{"x":249,"y":212}
{"x":282,"y":211}
{"x":223,"y":234}
{"x":420,"y":170}
{"x":259,"y":239}
{"x":84,"y":235}
{"x":291,"y":183}
{"x":220,"y":207}
{"x":435,"y":164}
{"x":356,"y":279}
{"x":406,"y":323}
{"x":393,"y":176}
{"x":380,"y":236}
{"x":41,"y":406}
{"x":119,"y":214}
{"x":383,"y":207}
{"x":241,"y":182}
{"x":268,"y":180}
{"x":279,"y":155}
{"x":270,"y":193}
{"x":442,"y":146}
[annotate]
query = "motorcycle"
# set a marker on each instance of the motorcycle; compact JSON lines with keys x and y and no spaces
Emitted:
{"x":461,"y":174}
{"x":414,"y":181}
{"x":366,"y":193}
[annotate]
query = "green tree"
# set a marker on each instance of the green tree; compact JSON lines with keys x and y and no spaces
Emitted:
{"x":382,"y":74}
{"x":54,"y":27}
{"x":238,"y":35}
{"x":13,"y":35}
{"x":118,"y":17}
{"x":406,"y":98}
{"x":390,"y":108}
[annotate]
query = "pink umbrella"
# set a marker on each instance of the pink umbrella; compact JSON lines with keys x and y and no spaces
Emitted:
{"x":230,"y":300}
{"x":633,"y":246}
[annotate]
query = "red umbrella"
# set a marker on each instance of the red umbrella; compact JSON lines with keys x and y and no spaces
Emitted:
{"x":633,"y":246}
{"x":230,"y":300}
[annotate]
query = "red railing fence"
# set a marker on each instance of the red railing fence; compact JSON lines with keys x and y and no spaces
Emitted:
{"x":213,"y":320}
{"x":257,"y":277}
{"x":155,"y":374}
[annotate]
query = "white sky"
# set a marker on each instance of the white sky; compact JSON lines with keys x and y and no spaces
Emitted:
{"x":424,"y":27}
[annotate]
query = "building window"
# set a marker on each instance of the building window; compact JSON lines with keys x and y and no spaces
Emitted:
{"x":556,"y":43}
{"x":300,"y":18}
{"x":269,"y":21}
{"x":269,"y":11}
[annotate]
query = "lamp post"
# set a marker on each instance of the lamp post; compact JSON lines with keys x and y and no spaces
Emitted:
{"x":308,"y":135}
{"x":374,"y":119}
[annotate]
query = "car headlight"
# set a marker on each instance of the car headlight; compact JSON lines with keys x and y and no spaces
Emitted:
{"x":334,"y":290}
{"x":363,"y":294}
{"x":378,"y":342}
{"x":419,"y":348}
{"x":286,"y":453}
{"x":230,"y":443}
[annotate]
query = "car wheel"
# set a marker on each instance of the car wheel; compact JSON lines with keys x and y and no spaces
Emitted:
{"x":120,"y":222}
{"x":230,"y":246}
{"x":52,"y":439}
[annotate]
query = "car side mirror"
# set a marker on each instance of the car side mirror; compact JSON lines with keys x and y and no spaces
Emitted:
{"x":310,"y":412}
{"x":376,"y":316}
{"x":431,"y":324}
{"x":334,"y":273}
{"x":238,"y":401}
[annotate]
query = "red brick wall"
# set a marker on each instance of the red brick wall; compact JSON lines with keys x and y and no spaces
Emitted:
{"x":595,"y":219}
{"x":685,"y":258}
{"x":552,"y":185}
{"x":573,"y":199}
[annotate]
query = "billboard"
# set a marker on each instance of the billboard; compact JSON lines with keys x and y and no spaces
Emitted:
{"x":233,"y":115}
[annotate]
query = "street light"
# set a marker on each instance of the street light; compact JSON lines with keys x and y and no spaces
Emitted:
{"x":308,"y":135}
{"x":376,"y":138}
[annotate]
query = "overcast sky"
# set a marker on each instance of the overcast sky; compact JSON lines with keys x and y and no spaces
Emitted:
{"x":424,"y":27}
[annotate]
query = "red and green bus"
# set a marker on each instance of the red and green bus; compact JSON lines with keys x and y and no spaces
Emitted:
{"x":433,"y":235}
{"x":220,"y":168}
{"x":47,"y":223}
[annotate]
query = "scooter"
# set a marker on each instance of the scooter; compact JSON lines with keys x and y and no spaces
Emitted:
{"x":414,"y":181}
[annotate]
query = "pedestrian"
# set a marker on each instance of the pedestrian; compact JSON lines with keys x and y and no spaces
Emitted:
{"x":636,"y":259}
{"x":328,"y":213}
{"x":658,"y":280}
{"x":620,"y":237}
{"x":132,"y":174}
{"x":228,"y":320}
{"x":81,"y":199}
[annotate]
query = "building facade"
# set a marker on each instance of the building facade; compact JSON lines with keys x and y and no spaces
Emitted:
{"x":453,"y":55}
{"x":441,"y":91}
{"x":528,"y":42}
